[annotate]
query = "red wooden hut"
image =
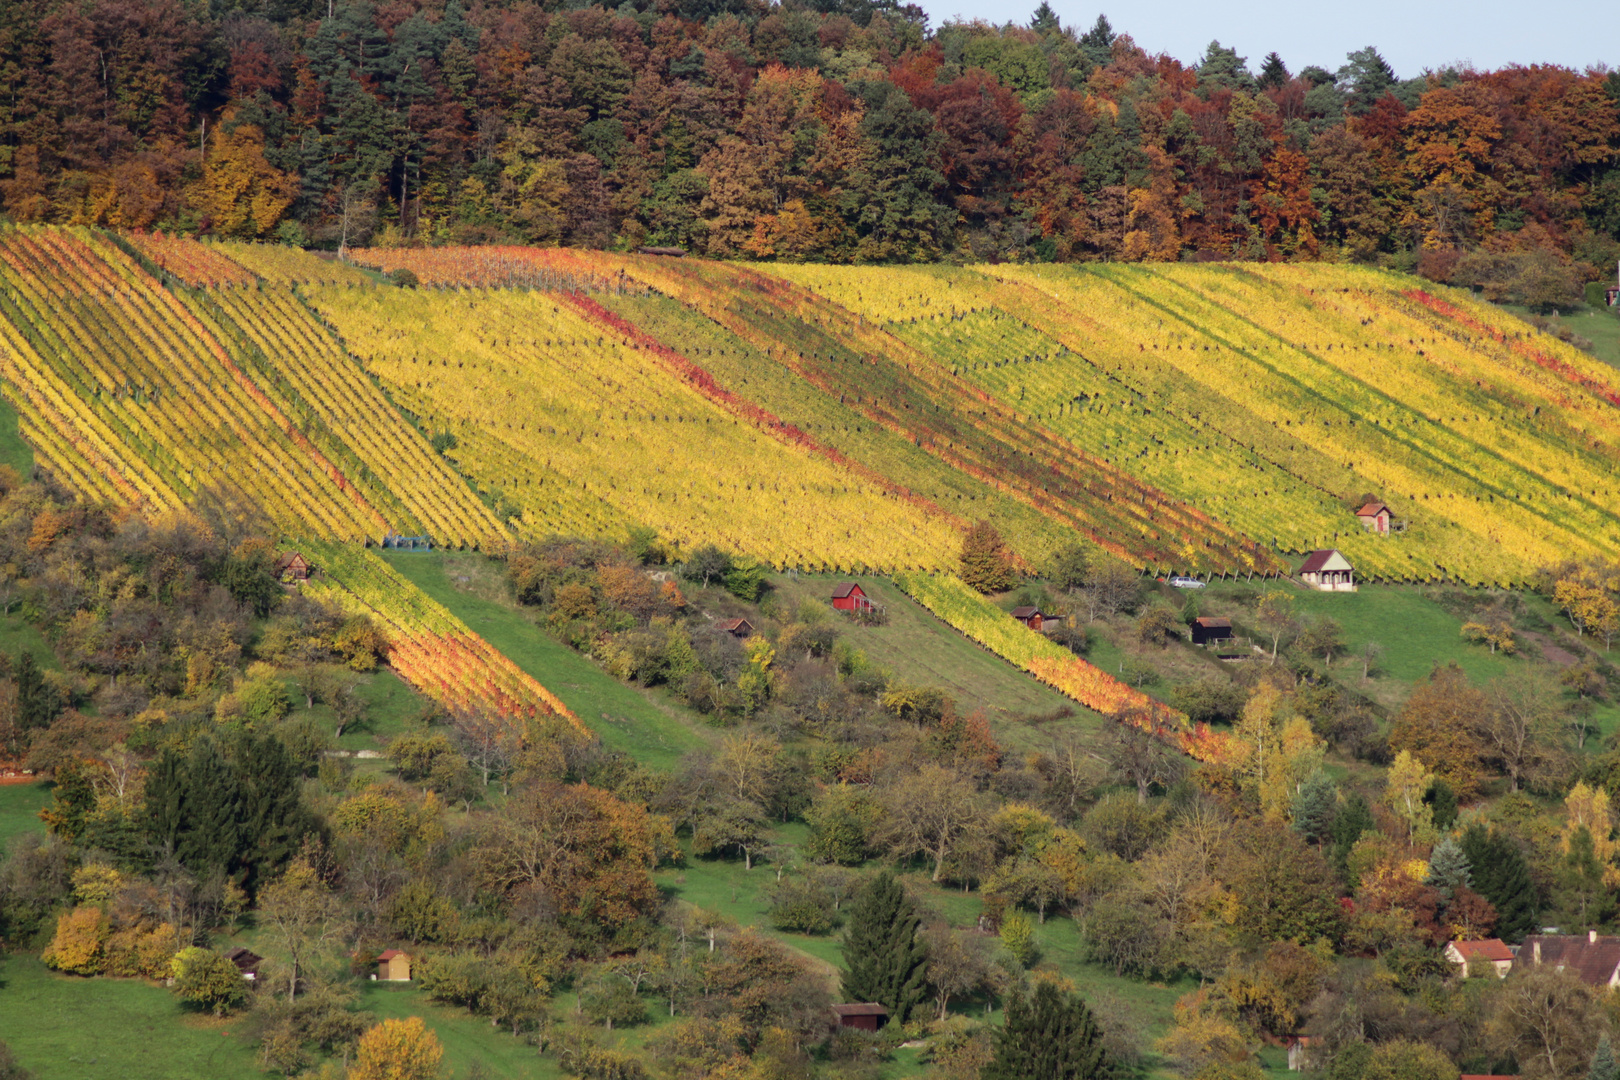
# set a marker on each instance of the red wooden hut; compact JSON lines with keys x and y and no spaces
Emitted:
{"x":1031,"y":617}
{"x":737,"y":627}
{"x":865,"y":1016}
{"x":851,"y":597}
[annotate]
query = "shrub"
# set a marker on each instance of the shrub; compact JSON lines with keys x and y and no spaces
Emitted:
{"x":207,"y":980}
{"x":77,"y":945}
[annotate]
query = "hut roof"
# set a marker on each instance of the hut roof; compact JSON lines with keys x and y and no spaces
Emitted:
{"x":1025,"y":612}
{"x":1317,"y":561}
{"x":1483,"y":949}
{"x":1373,"y":509}
{"x":846,"y":589}
{"x":868,"y":1008}
{"x":1210,"y":622}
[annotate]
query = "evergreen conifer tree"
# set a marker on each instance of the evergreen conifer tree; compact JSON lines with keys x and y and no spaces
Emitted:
{"x":1442,"y":804}
{"x":1501,"y":876}
{"x":1049,"y":1035}
{"x":1448,"y":868}
{"x":274,"y":819}
{"x":1316,"y":805}
{"x":1603,"y":1066}
{"x":38,"y":703}
{"x":885,"y":956}
{"x":1353,"y":819}
{"x":165,"y":798}
{"x":1273,"y":72}
{"x":211,"y":811}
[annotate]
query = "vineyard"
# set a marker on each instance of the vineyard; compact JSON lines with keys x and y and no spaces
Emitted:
{"x":976,"y":618}
{"x":428,"y":646}
{"x":160,"y":398}
{"x":584,"y":426}
{"x":1212,"y":419}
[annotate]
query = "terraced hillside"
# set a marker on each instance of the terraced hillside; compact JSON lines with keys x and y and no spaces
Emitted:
{"x":1218,"y":419}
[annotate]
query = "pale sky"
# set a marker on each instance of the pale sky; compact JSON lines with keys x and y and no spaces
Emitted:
{"x":1411,"y":35}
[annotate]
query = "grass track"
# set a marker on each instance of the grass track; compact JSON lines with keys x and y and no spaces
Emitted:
{"x":628,"y":720}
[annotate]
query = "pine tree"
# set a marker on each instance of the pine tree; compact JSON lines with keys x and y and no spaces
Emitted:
{"x":1050,"y":1035}
{"x":1045,"y":20}
{"x":1603,"y":1066}
{"x":1442,"y":803}
{"x":1502,"y":877}
{"x":38,"y":703}
{"x":165,"y":799}
{"x":1273,"y":72}
{"x":885,"y":957}
{"x":1448,"y":868}
{"x":211,"y":803}
{"x":1316,"y":807}
{"x":274,"y":819}
{"x":1351,"y":821}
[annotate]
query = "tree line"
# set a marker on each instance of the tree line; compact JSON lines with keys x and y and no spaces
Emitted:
{"x":830,"y":131}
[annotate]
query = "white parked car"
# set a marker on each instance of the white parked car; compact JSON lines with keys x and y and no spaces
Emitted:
{"x":1180,"y":582}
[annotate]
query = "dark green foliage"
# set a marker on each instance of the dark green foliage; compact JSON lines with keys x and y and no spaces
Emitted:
{"x":1603,"y":1066}
{"x":986,"y":563}
{"x":38,"y":702}
{"x":1049,"y":1035}
{"x":1448,"y":868}
{"x":706,"y":564}
{"x":251,"y":582}
{"x":1442,"y":803}
{"x":1070,"y":566}
{"x":404,"y":278}
{"x":1273,"y":72}
{"x":1209,"y":701}
{"x":1316,"y":805}
{"x":443,"y":442}
{"x":243,"y":815}
{"x":1501,"y":875}
{"x":746,"y":580}
{"x":1582,"y":899}
{"x":73,"y":798}
{"x":886,"y":960}
{"x":1353,"y":819}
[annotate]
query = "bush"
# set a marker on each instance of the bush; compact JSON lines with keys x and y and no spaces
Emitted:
{"x":77,"y":945}
{"x":404,"y":278}
{"x":800,"y":905}
{"x":207,"y":980}
{"x":1018,"y":937}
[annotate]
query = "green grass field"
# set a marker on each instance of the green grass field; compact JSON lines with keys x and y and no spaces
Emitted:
{"x":653,"y":731}
{"x":67,"y":1028}
{"x":13,"y":450}
{"x":468,"y":1040}
{"x":19,"y":810}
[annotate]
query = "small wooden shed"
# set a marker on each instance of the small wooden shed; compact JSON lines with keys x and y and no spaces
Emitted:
{"x":394,"y":965}
{"x":291,"y":567}
{"x":1328,"y":571}
{"x":1031,"y":617}
{"x":737,"y":627}
{"x":1207,"y":629}
{"x":863,"y":1016}
{"x":247,"y":962}
{"x":851,"y":597}
{"x":1375,"y":517}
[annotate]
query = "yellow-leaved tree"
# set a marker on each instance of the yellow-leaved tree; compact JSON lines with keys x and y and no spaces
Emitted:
{"x":1277,"y":750}
{"x":1588,"y":807}
{"x":398,"y":1050}
{"x":240,"y":191}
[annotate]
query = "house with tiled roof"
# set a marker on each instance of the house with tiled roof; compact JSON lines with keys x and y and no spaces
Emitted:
{"x":1474,"y":955}
{"x":1592,"y":959}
